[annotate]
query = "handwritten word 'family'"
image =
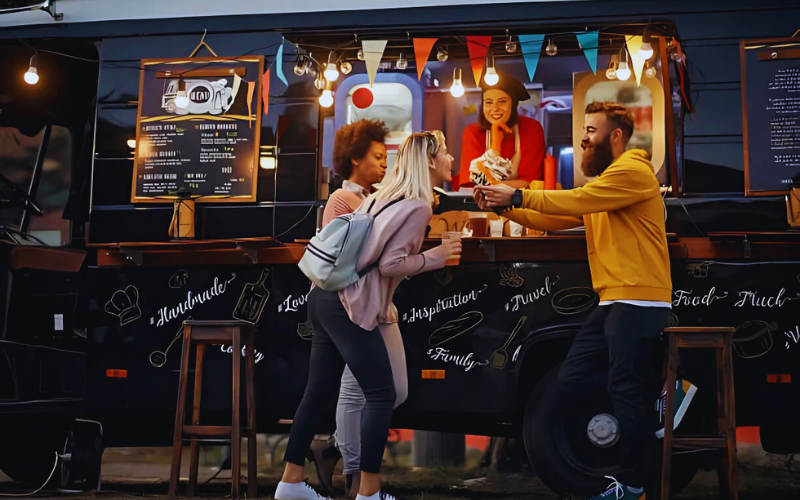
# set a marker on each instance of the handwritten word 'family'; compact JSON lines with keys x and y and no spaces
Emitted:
{"x":463,"y":360}
{"x":456,"y":300}
{"x":229,"y":349}
{"x":166,"y":314}
{"x":530,"y":297}
{"x":746,"y":298}
{"x":291,"y":305}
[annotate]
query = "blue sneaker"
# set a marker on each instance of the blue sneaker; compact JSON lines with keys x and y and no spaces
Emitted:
{"x":617,"y":491}
{"x":684,"y":393}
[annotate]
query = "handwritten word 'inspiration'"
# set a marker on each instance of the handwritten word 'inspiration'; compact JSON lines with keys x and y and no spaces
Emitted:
{"x":451,"y":302}
{"x":167,"y":314}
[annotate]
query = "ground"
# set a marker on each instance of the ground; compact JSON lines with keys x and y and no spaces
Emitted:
{"x":144,"y":472}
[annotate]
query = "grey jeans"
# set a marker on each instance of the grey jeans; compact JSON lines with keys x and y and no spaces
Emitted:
{"x":351,"y":399}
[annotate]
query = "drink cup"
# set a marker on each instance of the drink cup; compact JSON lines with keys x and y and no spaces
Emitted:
{"x":455,"y":259}
{"x":496,"y":228}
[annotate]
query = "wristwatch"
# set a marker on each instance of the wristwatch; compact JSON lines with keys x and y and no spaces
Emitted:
{"x":516,"y":199}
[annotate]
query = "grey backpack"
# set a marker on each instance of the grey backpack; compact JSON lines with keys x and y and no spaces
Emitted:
{"x":331,"y":257}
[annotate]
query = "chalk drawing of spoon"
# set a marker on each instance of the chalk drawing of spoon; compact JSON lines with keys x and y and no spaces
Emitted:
{"x":499,"y":357}
{"x":159,"y":358}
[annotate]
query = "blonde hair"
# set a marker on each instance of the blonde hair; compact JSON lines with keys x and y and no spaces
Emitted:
{"x":410,"y":177}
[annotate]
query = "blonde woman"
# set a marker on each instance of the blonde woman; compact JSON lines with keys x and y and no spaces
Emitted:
{"x":346,"y":323}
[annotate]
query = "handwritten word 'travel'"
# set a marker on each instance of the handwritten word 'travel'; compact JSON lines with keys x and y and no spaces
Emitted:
{"x":229,"y":350}
{"x":750,"y":298}
{"x":465,"y":361}
{"x":687,"y":298}
{"x":530,"y":297}
{"x":291,"y":305}
{"x":165,"y":314}
{"x":451,"y":302}
{"x":794,"y":337}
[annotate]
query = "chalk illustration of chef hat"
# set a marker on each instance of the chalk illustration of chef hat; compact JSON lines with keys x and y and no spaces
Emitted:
{"x":125,"y":305}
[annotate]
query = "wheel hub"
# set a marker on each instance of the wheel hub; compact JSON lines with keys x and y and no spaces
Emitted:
{"x":603,"y":430}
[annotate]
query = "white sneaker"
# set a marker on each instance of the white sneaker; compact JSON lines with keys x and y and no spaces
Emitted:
{"x":381,"y":495}
{"x":297,"y":491}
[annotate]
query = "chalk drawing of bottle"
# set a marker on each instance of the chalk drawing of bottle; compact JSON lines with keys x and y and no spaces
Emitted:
{"x":252,"y":300}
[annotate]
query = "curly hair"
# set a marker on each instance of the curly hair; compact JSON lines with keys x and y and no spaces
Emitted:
{"x":617,"y":114}
{"x":352,"y":143}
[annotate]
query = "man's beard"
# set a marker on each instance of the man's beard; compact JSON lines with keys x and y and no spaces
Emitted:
{"x":596,"y":157}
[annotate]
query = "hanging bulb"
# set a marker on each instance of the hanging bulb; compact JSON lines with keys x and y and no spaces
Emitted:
{"x":345,"y":67}
{"x":457,"y":89}
{"x":181,"y":99}
{"x":402,"y":63}
{"x":326,"y":99}
{"x":331,"y":71}
{"x":646,"y":50}
{"x":32,"y":75}
{"x":551,"y":48}
{"x":300,"y":66}
{"x":511,"y":47}
{"x":650,"y":72}
{"x":442,"y":55}
{"x":319,"y":82}
{"x":311,"y":70}
{"x":360,"y":54}
{"x":611,"y":72}
{"x":623,"y":72}
{"x":491,"y":77}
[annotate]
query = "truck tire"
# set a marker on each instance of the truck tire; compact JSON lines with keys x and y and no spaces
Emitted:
{"x":560,"y":449}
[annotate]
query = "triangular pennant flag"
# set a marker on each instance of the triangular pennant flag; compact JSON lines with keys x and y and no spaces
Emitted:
{"x":279,"y":65}
{"x":478,"y":47}
{"x":373,"y":52}
{"x":634,"y":46}
{"x":422,"y":50}
{"x":589,"y":42}
{"x":251,"y":86}
{"x":531,"y":48}
{"x":265,"y":91}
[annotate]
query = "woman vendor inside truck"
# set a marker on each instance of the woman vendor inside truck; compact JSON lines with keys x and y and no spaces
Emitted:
{"x":502,"y":146}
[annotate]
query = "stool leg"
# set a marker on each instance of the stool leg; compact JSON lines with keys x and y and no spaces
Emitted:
{"x":727,"y":423}
{"x":198,"y":390}
{"x":672,"y":375}
{"x":180,"y":414}
{"x":252,"y":444}
{"x":236,"y":423}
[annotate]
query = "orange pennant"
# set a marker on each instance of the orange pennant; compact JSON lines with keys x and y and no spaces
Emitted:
{"x":422,"y":50}
{"x":265,"y":91}
{"x":478,"y":47}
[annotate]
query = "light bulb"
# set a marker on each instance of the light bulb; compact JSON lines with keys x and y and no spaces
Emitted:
{"x":611,"y":73}
{"x":319,"y":82}
{"x":268,"y":162}
{"x":491,"y":77}
{"x":331,"y":72}
{"x":360,"y":54}
{"x":131,"y":143}
{"x":442,"y":55}
{"x":650,"y":72}
{"x":402,"y":63}
{"x":646,"y":50}
{"x":551,"y":48}
{"x":346,"y":67}
{"x":457,"y":89}
{"x":623,"y":72}
{"x":300,"y":66}
{"x":326,"y":99}
{"x":32,"y":75}
{"x":310,"y":69}
{"x":511,"y":47}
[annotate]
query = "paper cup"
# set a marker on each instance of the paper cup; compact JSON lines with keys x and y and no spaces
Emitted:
{"x":453,"y":260}
{"x":496,"y":228}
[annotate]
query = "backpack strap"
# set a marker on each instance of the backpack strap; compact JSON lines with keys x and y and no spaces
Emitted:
{"x":375,"y":264}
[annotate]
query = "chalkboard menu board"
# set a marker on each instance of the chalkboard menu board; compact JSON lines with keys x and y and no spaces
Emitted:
{"x":771,"y":114}
{"x":198,"y":128}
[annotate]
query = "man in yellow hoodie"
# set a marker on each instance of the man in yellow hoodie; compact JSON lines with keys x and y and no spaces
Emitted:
{"x":623,"y":212}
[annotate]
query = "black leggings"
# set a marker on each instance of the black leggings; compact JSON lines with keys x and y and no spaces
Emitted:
{"x":337,"y":341}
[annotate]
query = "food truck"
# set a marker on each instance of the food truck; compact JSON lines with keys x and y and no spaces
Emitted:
{"x":165,"y":167}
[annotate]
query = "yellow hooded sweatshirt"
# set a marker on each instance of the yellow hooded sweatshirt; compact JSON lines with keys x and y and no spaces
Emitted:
{"x":623,"y":212}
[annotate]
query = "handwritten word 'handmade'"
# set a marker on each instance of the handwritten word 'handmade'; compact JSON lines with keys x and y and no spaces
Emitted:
{"x":167,"y":314}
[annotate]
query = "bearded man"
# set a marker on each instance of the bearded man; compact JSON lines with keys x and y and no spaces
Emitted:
{"x":623,"y":212}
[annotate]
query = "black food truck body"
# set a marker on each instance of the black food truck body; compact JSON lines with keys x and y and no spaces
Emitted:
{"x":92,"y":319}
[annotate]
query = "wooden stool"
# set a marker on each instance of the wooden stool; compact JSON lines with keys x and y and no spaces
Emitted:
{"x":718,"y":339}
{"x":202,"y":333}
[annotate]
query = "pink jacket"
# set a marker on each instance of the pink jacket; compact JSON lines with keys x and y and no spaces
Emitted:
{"x":398,"y":233}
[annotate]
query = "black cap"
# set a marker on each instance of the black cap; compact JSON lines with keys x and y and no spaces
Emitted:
{"x":509,"y":85}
